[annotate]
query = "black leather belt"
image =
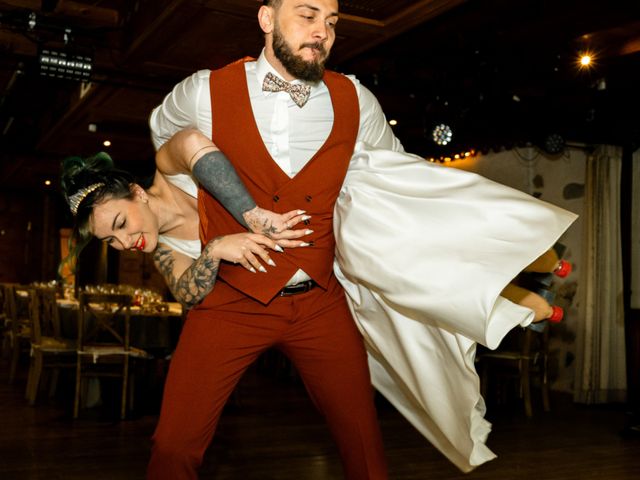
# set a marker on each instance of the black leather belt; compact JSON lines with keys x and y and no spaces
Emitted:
{"x":301,"y":287}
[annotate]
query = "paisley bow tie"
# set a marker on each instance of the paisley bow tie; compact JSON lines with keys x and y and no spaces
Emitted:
{"x":299,"y":93}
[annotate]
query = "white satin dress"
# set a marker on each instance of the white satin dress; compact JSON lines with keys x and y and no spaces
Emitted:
{"x":423,"y":252}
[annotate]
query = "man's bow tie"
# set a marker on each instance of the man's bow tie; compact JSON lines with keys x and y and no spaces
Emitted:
{"x":299,"y":93}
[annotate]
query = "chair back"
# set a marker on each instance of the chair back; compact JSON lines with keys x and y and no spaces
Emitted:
{"x":44,"y":314}
{"x":3,"y":297}
{"x":18,"y":301}
{"x":104,"y":320}
{"x":9,"y":304}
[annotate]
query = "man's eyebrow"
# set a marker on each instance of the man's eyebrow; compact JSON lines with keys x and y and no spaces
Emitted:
{"x":316,"y":9}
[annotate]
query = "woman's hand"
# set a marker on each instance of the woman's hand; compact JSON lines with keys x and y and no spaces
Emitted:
{"x":278,"y":226}
{"x":246,"y":249}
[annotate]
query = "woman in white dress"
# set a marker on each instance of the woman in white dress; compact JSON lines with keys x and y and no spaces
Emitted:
{"x":424,"y":253}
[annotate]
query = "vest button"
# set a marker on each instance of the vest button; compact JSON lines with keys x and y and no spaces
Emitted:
{"x":308,"y":198}
{"x":276,"y":198}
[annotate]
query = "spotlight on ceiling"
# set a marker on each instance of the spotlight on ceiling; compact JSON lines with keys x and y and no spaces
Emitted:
{"x":61,"y":64}
{"x":442,"y":134}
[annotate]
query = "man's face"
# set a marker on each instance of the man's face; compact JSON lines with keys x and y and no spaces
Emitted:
{"x":303,"y":34}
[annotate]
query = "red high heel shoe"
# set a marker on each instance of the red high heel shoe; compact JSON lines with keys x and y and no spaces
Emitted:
{"x":557,"y":315}
{"x":563,"y":269}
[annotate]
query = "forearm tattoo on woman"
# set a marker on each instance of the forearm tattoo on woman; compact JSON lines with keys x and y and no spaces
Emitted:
{"x":196,"y":281}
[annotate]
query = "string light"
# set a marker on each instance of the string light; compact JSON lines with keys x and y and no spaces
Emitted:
{"x":453,"y":157}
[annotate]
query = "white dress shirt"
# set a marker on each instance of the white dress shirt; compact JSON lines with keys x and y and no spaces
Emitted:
{"x":291,"y":134}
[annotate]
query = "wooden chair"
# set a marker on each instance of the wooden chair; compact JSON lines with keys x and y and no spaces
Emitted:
{"x":5,"y":324}
{"x":104,"y":348}
{"x":523,"y":356}
{"x":48,"y":349}
{"x":19,"y":326}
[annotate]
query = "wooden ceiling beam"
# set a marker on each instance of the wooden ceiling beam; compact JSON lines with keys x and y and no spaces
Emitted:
{"x":90,"y":15}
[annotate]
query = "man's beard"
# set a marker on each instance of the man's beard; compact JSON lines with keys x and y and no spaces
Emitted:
{"x":310,"y":71}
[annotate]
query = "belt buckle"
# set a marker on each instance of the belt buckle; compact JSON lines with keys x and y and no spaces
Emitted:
{"x":301,"y":287}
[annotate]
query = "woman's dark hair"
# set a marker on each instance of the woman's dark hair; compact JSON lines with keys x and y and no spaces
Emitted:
{"x":77,"y":174}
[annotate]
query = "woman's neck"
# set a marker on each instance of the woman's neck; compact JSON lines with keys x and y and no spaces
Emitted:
{"x":164,"y":205}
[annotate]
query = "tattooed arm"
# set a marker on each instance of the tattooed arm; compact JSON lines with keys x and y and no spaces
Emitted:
{"x":191,"y":280}
{"x":195,"y":282}
{"x":189,"y":151}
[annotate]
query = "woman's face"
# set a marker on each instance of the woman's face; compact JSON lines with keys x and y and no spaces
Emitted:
{"x":126,"y":224}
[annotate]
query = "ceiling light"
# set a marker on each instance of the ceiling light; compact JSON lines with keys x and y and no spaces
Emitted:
{"x":393,"y":122}
{"x":442,"y":134}
{"x":586,"y":59}
{"x":61,"y":64}
{"x":107,"y":143}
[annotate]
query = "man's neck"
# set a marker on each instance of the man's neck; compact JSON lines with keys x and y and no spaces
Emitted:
{"x":276,"y":65}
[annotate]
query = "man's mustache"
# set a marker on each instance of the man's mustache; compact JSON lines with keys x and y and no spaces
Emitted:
{"x":317,"y":46}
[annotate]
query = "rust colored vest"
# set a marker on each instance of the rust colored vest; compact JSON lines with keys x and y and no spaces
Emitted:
{"x":314,"y":189}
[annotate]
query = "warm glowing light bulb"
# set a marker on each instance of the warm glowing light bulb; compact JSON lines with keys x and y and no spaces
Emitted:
{"x":107,"y":143}
{"x":47,"y":182}
{"x":587,"y":59}
{"x":393,"y":122}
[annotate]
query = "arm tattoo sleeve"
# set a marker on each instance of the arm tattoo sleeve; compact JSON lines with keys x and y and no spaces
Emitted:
{"x":215,"y":172}
{"x":196,"y":282}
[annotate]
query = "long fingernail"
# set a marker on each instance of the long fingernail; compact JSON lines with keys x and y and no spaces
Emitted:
{"x":271,"y":262}
{"x":304,"y":244}
{"x":300,"y":212}
{"x":278,"y":248}
{"x":306,"y":217}
{"x":252,"y":270}
{"x":308,"y":232}
{"x":262,"y":269}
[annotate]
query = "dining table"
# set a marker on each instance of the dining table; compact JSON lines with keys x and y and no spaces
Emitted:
{"x":154,"y":328}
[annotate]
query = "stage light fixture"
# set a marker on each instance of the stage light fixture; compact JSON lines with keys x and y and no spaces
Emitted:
{"x":66,"y":65}
{"x":553,"y":144}
{"x":442,"y":134}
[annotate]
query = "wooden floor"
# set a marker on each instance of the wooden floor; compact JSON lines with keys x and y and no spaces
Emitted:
{"x":273,"y":432}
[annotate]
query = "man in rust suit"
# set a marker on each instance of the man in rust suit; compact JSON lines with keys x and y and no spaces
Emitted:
{"x":290,"y":128}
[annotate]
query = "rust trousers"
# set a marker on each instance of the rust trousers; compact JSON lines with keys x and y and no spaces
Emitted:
{"x":315,"y":330}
